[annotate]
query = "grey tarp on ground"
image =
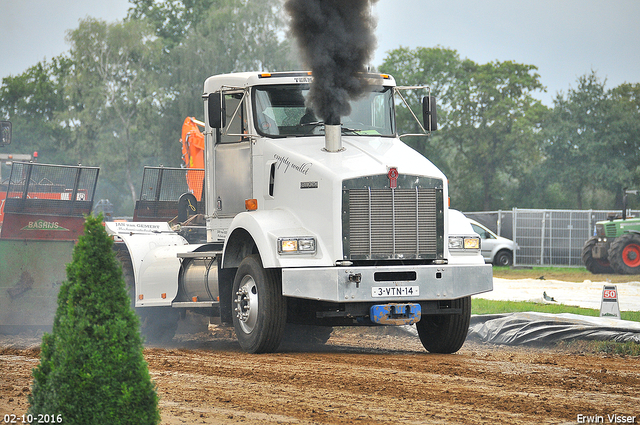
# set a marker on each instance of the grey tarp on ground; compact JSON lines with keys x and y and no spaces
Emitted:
{"x":531,"y":328}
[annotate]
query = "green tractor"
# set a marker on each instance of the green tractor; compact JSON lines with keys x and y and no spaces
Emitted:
{"x":616,"y":246}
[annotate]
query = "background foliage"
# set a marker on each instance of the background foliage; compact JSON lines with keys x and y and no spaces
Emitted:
{"x":118,"y":98}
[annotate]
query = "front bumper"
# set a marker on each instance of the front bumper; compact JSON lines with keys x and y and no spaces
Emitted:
{"x":354,"y":284}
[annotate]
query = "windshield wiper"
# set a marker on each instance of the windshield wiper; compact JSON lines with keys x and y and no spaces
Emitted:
{"x":315,"y":124}
{"x":312,"y":125}
{"x":355,"y":131}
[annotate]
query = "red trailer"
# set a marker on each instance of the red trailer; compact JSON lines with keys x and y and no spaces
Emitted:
{"x":43,"y":208}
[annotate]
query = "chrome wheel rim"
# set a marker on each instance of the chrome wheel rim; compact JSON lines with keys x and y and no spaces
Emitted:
{"x":247,"y":304}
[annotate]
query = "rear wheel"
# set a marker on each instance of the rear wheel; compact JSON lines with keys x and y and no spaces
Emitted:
{"x":158,"y":325}
{"x":624,"y":254}
{"x":447,"y":332}
{"x":260,"y":310}
{"x":594,"y":265}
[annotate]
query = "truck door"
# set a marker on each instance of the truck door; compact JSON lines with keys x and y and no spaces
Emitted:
{"x":233,"y":160}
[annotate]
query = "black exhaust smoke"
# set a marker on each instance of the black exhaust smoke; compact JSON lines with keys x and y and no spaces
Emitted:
{"x":336,"y":39}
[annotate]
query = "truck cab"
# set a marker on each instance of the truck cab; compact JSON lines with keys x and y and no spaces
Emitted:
{"x":311,"y":223}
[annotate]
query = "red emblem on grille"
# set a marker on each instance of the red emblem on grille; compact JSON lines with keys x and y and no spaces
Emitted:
{"x":393,"y":177}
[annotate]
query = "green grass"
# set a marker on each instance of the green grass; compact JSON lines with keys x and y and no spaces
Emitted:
{"x":566,"y":274}
{"x":538,"y":270}
{"x":482,"y":306}
{"x":608,"y":347}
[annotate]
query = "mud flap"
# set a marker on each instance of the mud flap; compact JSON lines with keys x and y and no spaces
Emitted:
{"x":395,"y":314}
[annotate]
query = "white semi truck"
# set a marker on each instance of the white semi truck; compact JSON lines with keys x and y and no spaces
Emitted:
{"x":310,"y":224}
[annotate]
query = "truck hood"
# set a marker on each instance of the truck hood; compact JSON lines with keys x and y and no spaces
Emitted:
{"x":308,"y":182}
{"x":361,"y":156}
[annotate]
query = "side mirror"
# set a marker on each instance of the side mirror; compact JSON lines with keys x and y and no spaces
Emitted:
{"x":216,"y":110}
{"x":429,"y":113}
{"x":5,"y":133}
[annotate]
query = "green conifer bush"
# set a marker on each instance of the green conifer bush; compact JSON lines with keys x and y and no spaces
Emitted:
{"x":92,"y":370}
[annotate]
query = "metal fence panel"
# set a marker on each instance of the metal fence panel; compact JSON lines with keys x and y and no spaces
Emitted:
{"x":167,"y":184}
{"x":545,"y":237}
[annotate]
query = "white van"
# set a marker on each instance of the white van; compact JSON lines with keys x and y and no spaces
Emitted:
{"x":495,"y":249}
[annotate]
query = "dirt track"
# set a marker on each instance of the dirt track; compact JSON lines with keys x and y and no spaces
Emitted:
{"x":364,"y":377}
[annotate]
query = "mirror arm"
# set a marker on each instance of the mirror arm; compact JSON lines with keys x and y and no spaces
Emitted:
{"x":235,"y":113}
{"x":410,"y":110}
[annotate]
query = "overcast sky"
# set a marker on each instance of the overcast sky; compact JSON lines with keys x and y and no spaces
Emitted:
{"x":563,"y":38}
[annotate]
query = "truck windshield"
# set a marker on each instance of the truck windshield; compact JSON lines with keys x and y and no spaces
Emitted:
{"x":280,"y":111}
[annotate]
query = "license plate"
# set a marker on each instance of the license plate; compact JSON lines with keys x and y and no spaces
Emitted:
{"x":395,"y":291}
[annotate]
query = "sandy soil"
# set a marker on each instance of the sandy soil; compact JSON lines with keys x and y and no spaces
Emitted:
{"x":363,"y":376}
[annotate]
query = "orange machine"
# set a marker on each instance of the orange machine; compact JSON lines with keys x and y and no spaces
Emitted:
{"x":193,"y":153}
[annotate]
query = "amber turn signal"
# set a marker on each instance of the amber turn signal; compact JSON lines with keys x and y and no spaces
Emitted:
{"x":251,"y":204}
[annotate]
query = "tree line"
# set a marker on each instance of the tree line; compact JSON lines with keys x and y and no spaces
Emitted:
{"x":502,"y":148}
{"x":118,"y":97}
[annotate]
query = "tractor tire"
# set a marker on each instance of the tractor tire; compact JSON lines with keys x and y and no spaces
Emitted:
{"x":158,"y":325}
{"x":446,"y":333}
{"x":624,"y":254}
{"x":594,"y":265}
{"x":260,"y":310}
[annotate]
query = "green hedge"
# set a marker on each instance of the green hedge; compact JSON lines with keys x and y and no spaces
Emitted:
{"x":92,"y":369}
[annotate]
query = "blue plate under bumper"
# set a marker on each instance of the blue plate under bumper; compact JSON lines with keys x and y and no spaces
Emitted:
{"x":395,"y":314}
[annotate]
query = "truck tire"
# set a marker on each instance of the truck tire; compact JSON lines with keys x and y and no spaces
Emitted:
{"x":158,"y":325}
{"x":504,"y":258}
{"x":260,"y":310}
{"x":624,"y":254}
{"x":594,"y":265}
{"x":447,"y":332}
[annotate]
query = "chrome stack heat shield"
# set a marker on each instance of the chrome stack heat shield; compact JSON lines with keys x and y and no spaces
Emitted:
{"x":333,"y":138}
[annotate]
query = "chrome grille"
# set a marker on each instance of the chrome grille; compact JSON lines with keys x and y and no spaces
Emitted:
{"x":393,"y":223}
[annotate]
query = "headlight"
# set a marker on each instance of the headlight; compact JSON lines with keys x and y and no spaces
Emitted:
{"x":463,"y":243}
{"x":302,"y":245}
{"x":456,"y":242}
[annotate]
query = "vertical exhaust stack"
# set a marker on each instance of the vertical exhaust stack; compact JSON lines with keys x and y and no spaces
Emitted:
{"x":333,"y":138}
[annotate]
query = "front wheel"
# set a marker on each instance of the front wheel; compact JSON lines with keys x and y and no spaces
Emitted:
{"x":504,"y":258}
{"x":445,"y":333}
{"x":260,"y":310}
{"x":624,"y":254}
{"x":594,"y":265}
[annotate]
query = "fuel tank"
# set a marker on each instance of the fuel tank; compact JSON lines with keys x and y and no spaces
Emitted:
{"x":198,"y":280}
